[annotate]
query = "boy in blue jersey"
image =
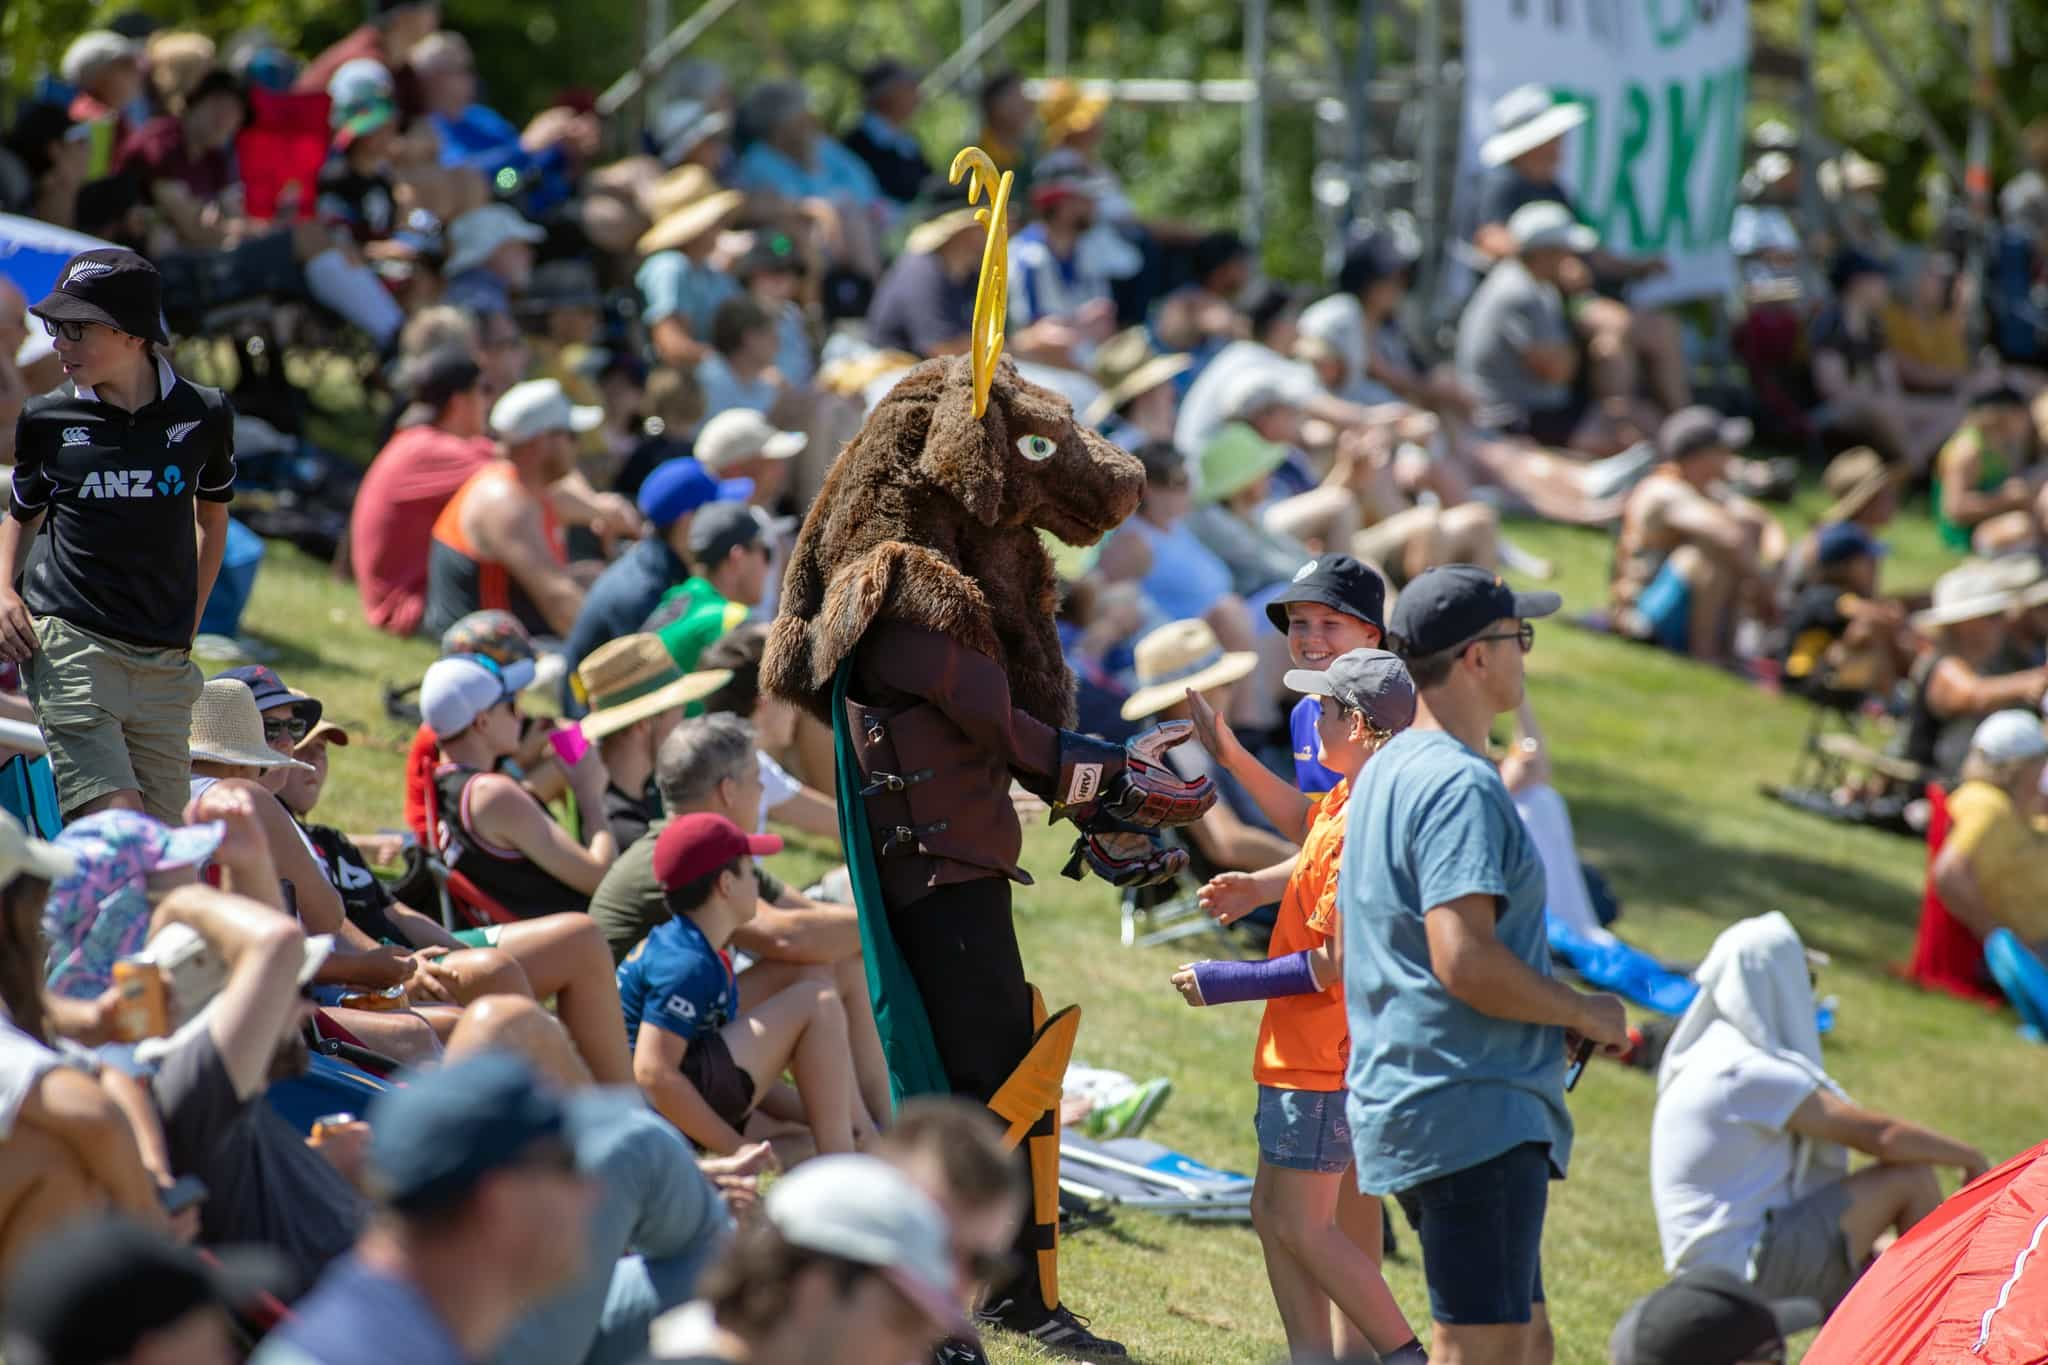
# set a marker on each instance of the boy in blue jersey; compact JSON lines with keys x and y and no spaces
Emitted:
{"x":703,"y":1065}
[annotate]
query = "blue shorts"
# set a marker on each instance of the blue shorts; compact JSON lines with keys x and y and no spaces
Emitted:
{"x":1303,"y":1130}
{"x":1481,"y":1231}
{"x":1665,"y":607}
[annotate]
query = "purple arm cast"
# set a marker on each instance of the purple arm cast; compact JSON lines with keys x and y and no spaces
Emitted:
{"x":1227,"y":983}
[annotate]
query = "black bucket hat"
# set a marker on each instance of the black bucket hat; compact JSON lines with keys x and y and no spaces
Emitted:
{"x":112,"y":286}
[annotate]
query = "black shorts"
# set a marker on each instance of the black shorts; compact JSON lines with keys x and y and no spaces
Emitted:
{"x":1551,"y":426}
{"x":723,"y":1082}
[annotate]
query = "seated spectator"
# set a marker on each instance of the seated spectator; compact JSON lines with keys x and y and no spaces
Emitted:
{"x":924,"y":305}
{"x":675,"y":410}
{"x":394,"y":29}
{"x":1203,"y":317}
{"x":1926,"y":323}
{"x":1749,"y":1146}
{"x":1862,"y":489}
{"x":688,"y":132}
{"x":1855,"y":373}
{"x":184,"y":161}
{"x":1138,"y":403}
{"x":780,"y":727}
{"x":543,"y":161}
{"x":564,"y":311}
{"x":1184,"y":658}
{"x":636,"y":695}
{"x":490,"y":259}
{"x":56,"y":161}
{"x":1842,"y":641}
{"x":702,"y":1063}
{"x":409,"y":483}
{"x":1951,"y":687}
{"x":849,"y":1261}
{"x":497,"y":543}
{"x":711,"y":765}
{"x":2018,"y":327}
{"x":680,"y":286}
{"x":788,"y":158}
{"x":634,"y":584}
{"x":729,"y":556}
{"x":1524,"y":156}
{"x":1051,"y":277}
{"x":66,"y":1145}
{"x":1236,"y":479}
{"x":1009,"y":130}
{"x":355,"y":187}
{"x":740,"y":370}
{"x":557,"y":957}
{"x":1984,"y":489}
{"x":1362,"y":320}
{"x":1516,"y":350}
{"x":772,"y":273}
{"x":105,"y":69}
{"x":173,"y":62}
{"x":882,"y":138}
{"x":1691,"y":555}
{"x":740,"y":446}
{"x":1708,"y":1317}
{"x":1993,"y":865}
{"x":488,"y":827}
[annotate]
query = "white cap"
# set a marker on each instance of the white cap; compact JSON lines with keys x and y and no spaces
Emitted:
{"x":457,"y":690}
{"x":2010,"y":737}
{"x":861,"y":1209}
{"x":358,"y":80}
{"x":19,"y":853}
{"x":476,"y":234}
{"x":1547,"y":223}
{"x":93,"y":49}
{"x":538,"y":407}
{"x":740,"y":434}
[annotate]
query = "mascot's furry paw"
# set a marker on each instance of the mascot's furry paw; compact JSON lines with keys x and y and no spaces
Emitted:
{"x":1126,"y":858}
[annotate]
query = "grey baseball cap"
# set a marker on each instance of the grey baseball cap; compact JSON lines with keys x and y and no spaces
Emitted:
{"x":1369,"y":680}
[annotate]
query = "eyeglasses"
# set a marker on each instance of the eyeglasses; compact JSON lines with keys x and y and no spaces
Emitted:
{"x":293,"y":728}
{"x":1525,"y":632}
{"x":70,"y":331}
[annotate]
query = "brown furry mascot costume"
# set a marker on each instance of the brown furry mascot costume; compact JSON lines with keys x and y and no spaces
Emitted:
{"x":917,"y":619}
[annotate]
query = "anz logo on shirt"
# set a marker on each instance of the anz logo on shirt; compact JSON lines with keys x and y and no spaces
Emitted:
{"x":133,"y":483}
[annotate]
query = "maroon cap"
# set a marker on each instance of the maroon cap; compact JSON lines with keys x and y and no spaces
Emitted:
{"x":697,"y":845}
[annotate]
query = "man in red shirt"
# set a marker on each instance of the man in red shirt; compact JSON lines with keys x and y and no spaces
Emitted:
{"x":396,"y":27}
{"x":409,"y":483}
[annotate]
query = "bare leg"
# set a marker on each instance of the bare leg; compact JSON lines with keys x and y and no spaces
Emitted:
{"x":1660,"y":348}
{"x":1471,"y":535}
{"x":848,"y":977}
{"x":804,"y":1029}
{"x":1886,"y":1199}
{"x":817,"y":760}
{"x":1322,"y":517}
{"x":404,"y":1036}
{"x":1712,"y":595}
{"x":1303,"y":1217}
{"x":1508,"y":1343}
{"x":486,"y":971}
{"x":42,"y":1187}
{"x":514,"y":1023}
{"x":2006,"y":531}
{"x":566,"y":957}
{"x":1610,"y":352}
{"x":1304,"y":1307}
{"x":128,"y":798}
{"x":1541,"y":1346}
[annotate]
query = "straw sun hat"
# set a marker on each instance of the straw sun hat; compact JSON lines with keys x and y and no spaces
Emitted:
{"x":633,"y":678}
{"x":691,"y":220}
{"x":1126,"y":366}
{"x":1854,"y":478}
{"x":1975,"y":590}
{"x":227,"y":728}
{"x":1180,"y":657}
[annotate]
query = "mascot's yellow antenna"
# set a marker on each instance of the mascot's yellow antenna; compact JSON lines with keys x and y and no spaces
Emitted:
{"x":992,"y":293}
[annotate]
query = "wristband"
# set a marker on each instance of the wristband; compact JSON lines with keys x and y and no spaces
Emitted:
{"x":1227,"y":983}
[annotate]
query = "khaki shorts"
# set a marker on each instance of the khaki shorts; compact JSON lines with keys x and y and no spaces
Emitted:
{"x":116,"y":717}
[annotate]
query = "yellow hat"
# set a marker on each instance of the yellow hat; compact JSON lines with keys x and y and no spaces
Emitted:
{"x":1066,"y":110}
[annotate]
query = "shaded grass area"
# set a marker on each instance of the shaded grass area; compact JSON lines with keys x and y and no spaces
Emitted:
{"x":1660,"y":761}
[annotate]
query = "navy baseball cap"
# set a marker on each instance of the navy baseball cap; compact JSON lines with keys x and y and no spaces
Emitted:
{"x":1845,"y":540}
{"x":1339,"y":582}
{"x":270,"y":691}
{"x":680,"y":486}
{"x":433,"y":1141}
{"x":1372,"y":681}
{"x":1446,"y":606}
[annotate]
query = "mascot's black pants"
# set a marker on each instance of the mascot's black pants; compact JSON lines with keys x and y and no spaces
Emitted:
{"x":961,"y":949}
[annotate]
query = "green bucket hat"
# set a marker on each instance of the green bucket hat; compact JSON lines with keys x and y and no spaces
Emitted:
{"x":1235,"y":457}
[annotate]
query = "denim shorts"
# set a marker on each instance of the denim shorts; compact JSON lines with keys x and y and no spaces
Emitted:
{"x":1303,"y":1130}
{"x":1481,"y":1231}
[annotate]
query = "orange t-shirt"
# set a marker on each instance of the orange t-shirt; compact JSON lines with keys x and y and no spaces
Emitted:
{"x":1305,"y":1040}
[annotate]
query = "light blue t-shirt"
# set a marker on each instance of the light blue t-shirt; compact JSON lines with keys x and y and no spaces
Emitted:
{"x":1435,"y":1086}
{"x":671,"y":283}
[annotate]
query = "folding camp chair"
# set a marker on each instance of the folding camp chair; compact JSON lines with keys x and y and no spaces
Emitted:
{"x":1169,"y":912}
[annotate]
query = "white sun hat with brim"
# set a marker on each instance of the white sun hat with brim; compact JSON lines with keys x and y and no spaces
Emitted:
{"x":1971,"y":592}
{"x":1524,"y":119}
{"x":1549,"y":224}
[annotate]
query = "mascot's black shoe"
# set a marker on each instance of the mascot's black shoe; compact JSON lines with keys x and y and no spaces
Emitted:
{"x":958,"y":1352}
{"x":1058,"y":1330}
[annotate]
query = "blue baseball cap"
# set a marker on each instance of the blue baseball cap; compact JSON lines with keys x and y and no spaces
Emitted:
{"x":680,"y":486}
{"x":270,"y":691}
{"x":433,"y":1141}
{"x":1845,"y":540}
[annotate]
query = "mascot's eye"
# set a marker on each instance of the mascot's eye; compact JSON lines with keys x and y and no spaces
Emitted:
{"x":1036,"y":448}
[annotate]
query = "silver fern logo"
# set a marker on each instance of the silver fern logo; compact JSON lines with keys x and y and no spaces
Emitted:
{"x":87,"y":270}
{"x":179,"y":431}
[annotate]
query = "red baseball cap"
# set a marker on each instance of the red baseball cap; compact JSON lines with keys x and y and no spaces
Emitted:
{"x":697,"y":845}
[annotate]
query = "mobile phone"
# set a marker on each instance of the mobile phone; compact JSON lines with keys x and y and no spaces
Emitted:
{"x":1578,"y":1064}
{"x":183,"y":1193}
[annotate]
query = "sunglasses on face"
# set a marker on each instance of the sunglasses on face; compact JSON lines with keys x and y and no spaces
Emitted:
{"x":1525,"y":633}
{"x":70,"y":331}
{"x":293,"y":728}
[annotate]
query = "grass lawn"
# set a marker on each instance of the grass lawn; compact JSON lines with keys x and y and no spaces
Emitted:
{"x":1660,"y":762}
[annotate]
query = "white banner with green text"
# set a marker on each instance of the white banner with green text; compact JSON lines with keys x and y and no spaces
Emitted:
{"x":1655,"y":166}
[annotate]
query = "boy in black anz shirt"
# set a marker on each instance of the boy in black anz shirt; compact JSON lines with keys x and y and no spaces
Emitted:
{"x":127,"y":471}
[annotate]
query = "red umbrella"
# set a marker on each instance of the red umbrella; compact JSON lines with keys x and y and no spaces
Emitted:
{"x":1968,"y":1286}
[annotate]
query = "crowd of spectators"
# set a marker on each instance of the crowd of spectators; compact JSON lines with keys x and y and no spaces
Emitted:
{"x":615,"y":384}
